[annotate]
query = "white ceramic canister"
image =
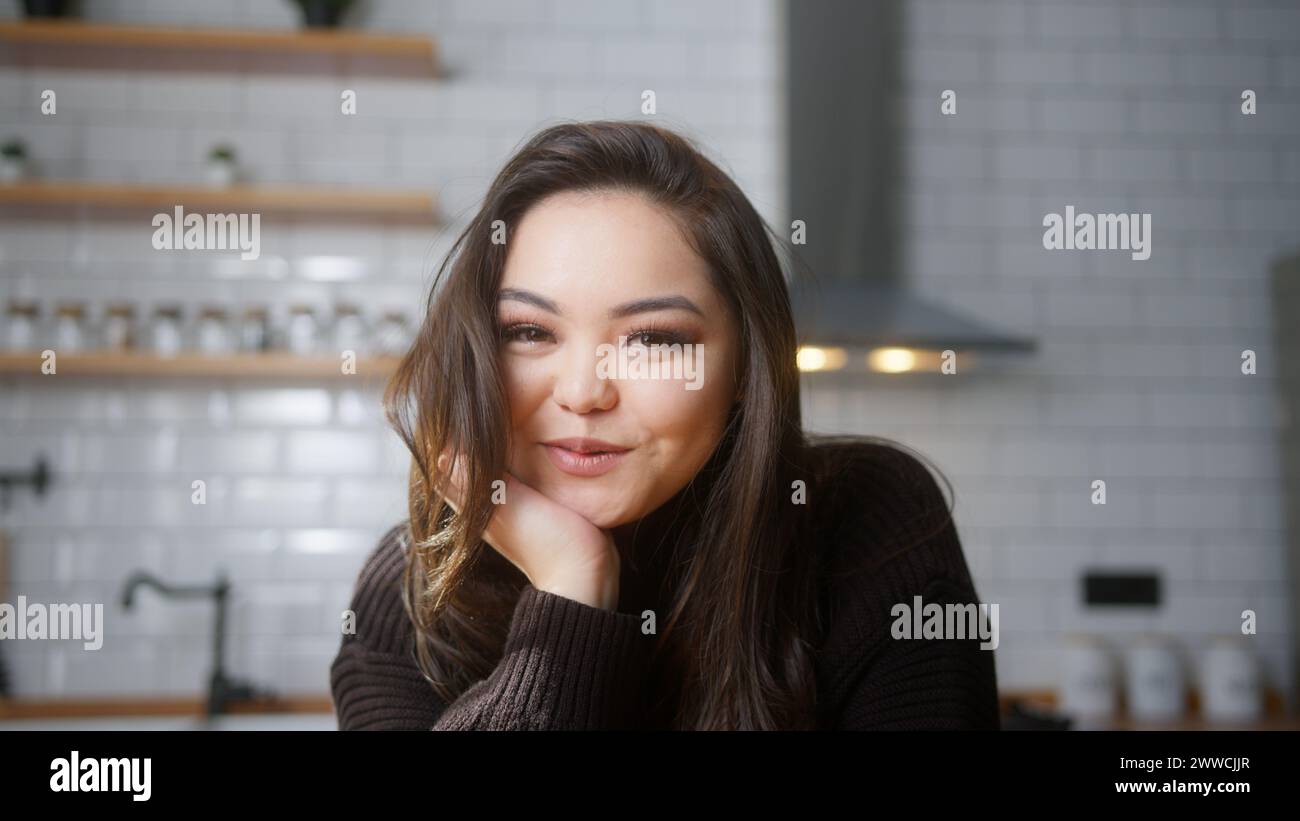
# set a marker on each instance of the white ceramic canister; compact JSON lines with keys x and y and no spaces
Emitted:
{"x":1153,"y":680}
{"x":1088,"y":684}
{"x":1231,"y":685}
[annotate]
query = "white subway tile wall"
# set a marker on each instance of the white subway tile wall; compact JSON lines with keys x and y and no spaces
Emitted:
{"x":300,"y":479}
{"x":1110,"y":106}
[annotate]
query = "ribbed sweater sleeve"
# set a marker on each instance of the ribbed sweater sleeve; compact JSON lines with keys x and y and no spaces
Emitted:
{"x":565,"y":665}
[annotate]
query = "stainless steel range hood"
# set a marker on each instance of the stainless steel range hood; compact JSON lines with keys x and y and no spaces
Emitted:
{"x":843,"y":158}
{"x":858,"y":315}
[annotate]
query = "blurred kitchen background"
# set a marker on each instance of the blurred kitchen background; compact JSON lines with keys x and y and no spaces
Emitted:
{"x":924,"y":228}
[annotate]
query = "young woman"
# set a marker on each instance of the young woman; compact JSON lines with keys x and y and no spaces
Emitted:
{"x":595,"y":546}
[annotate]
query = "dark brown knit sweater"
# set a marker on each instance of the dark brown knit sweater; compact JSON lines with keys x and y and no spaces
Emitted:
{"x":567,"y":665}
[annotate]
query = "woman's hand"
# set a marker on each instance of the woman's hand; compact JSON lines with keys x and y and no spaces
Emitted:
{"x":559,"y":550}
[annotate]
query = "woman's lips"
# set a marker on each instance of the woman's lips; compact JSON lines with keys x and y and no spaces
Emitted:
{"x":584,"y":464}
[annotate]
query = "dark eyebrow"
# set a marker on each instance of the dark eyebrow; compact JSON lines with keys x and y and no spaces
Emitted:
{"x":519,"y":295}
{"x":639,"y":306}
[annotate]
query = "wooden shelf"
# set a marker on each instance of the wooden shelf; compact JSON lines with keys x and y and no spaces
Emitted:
{"x":59,"y":197}
{"x":1275,"y":715}
{"x":271,"y":365}
{"x":17,"y":709}
{"x":85,"y":45}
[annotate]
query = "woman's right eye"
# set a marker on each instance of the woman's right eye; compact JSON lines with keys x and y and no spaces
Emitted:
{"x":524,"y":332}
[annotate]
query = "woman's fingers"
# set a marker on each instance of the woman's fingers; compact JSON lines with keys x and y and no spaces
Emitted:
{"x":545,"y":540}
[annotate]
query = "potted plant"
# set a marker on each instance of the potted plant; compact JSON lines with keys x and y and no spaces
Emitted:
{"x":322,"y":13}
{"x":13,"y":160}
{"x":222,"y":168}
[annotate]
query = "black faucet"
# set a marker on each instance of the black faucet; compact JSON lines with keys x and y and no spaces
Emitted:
{"x":38,"y":477}
{"x":222,"y":690}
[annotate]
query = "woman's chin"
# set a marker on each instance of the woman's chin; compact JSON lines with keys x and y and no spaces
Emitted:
{"x":597,"y":505}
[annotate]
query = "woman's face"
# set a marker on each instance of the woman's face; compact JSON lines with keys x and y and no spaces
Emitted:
{"x":583,"y":269}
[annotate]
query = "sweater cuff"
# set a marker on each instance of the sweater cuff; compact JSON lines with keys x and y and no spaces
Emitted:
{"x":571,"y":665}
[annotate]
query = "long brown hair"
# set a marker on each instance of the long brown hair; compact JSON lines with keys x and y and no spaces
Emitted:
{"x":737,"y":643}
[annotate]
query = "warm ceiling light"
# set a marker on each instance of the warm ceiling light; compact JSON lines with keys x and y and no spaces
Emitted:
{"x":812,"y":358}
{"x":891,"y":360}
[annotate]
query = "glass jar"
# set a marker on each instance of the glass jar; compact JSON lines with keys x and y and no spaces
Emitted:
{"x":254,"y":330}
{"x":70,"y":327}
{"x":349,"y":329}
{"x":22,"y":325}
{"x":303,"y":333}
{"x":119,"y":327}
{"x":212,"y":333}
{"x":392,"y":334}
{"x":166,"y":335}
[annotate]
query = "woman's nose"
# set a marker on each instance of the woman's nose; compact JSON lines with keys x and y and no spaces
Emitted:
{"x":580,"y":385}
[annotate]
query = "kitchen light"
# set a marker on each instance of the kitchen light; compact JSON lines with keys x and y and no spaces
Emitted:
{"x":812,"y":358}
{"x":891,"y":360}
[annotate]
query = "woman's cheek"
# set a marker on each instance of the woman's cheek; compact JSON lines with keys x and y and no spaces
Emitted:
{"x":671,"y":407}
{"x":679,"y":426}
{"x":667,"y":400}
{"x":523,"y":385}
{"x":521,"y":397}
